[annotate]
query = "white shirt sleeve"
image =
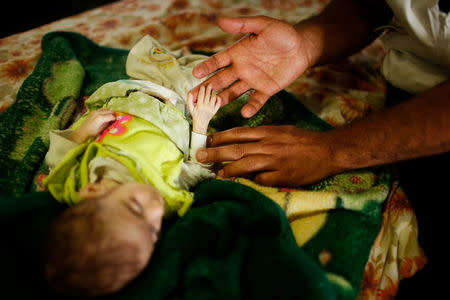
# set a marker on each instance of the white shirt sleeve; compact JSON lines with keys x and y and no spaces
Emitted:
{"x":106,"y":167}
{"x":60,"y":144}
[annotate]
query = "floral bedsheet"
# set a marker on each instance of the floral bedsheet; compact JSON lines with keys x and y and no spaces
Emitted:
{"x":338,"y":93}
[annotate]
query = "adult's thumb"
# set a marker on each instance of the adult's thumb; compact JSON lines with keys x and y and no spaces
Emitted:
{"x":244,"y":24}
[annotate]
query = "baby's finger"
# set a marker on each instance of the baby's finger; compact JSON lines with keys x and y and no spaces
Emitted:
{"x":201,"y":95}
{"x":218,"y":103}
{"x":208,"y":93}
{"x":191,"y":103}
{"x":108,"y":118}
{"x":105,"y":110}
{"x":213,"y":100}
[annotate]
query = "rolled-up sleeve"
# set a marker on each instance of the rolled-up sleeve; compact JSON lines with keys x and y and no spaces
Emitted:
{"x":60,"y":144}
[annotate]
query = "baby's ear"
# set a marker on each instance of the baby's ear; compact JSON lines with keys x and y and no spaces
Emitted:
{"x":92,"y":190}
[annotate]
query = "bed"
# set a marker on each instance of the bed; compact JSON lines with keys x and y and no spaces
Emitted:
{"x":330,"y":96}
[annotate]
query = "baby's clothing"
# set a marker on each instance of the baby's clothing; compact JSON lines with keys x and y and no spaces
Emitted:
{"x":149,"y":141}
{"x":418,"y":45}
{"x":151,"y":61}
{"x":134,"y":149}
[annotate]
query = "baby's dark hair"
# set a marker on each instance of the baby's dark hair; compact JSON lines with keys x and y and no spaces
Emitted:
{"x":85,"y":254}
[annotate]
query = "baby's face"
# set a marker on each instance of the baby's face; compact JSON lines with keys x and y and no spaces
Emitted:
{"x":112,"y":231}
{"x":131,"y":203}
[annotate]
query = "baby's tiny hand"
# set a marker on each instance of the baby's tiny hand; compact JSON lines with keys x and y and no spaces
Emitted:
{"x":93,"y":125}
{"x":205,"y":108}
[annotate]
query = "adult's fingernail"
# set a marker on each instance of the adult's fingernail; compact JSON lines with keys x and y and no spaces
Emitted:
{"x":209,"y":140}
{"x":201,"y":155}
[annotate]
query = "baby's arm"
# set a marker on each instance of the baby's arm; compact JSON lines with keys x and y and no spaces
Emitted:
{"x":61,"y":141}
{"x":93,"y":125}
{"x":193,"y":172}
{"x":206,"y":107}
{"x":202,"y":112}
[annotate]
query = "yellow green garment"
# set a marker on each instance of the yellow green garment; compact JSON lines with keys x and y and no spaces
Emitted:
{"x":155,"y":148}
{"x":150,"y":138}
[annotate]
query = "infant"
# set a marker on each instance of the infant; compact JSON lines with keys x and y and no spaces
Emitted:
{"x":107,"y":237}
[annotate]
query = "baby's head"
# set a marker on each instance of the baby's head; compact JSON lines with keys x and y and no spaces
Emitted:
{"x":100,"y":244}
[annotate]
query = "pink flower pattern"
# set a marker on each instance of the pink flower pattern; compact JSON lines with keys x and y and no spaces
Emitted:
{"x":117,"y":128}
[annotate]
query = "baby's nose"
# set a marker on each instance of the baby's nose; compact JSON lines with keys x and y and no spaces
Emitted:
{"x":155,"y":213}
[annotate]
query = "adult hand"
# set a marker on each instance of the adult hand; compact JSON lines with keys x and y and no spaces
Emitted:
{"x":274,"y":155}
{"x":267,"y":60}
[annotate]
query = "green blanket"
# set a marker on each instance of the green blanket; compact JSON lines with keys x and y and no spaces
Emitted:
{"x":234,"y":243}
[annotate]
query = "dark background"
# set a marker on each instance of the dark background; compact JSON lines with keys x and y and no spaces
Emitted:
{"x":19,"y":15}
{"x":426,"y":181}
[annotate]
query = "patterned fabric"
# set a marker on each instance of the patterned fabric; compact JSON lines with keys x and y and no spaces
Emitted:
{"x":149,"y":60}
{"x":395,"y":254}
{"x":120,"y":96}
{"x":129,"y":142}
{"x":336,"y":220}
{"x":337,"y":93}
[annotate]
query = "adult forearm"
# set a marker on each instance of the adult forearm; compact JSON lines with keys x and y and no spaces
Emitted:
{"x":415,"y":128}
{"x":342,"y":28}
